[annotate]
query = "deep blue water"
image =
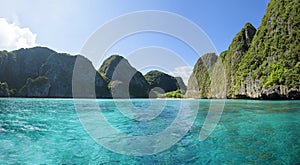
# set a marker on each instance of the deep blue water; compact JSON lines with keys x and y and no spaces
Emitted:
{"x":48,"y":131}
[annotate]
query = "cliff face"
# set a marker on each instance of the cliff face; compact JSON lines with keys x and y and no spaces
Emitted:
{"x":232,"y":57}
{"x":261,"y":64}
{"x":124,"y":80}
{"x":41,"y":72}
{"x":38,"y":87}
{"x":273,"y":59}
{"x":59,"y":69}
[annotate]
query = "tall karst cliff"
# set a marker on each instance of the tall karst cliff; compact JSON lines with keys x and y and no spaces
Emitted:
{"x":233,"y":56}
{"x":271,"y":66}
{"x":264,"y":63}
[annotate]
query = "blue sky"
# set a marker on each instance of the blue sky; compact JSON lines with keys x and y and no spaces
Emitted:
{"x":65,"y":25}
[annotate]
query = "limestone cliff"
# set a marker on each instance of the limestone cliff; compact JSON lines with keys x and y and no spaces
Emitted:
{"x":271,"y":67}
{"x":262,"y":64}
{"x":232,"y":57}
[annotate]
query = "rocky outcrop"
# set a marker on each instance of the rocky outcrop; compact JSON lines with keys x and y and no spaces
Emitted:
{"x":163,"y":83}
{"x":124,"y":80}
{"x":4,"y":91}
{"x":253,"y":90}
{"x":274,"y":93}
{"x":280,"y":92}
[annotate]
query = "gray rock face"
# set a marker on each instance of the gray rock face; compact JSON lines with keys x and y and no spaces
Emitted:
{"x":251,"y":89}
{"x":275,"y":93}
{"x":124,"y":80}
{"x":280,"y":92}
{"x":181,"y":84}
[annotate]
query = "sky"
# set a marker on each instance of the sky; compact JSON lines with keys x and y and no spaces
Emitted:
{"x":66,"y":25}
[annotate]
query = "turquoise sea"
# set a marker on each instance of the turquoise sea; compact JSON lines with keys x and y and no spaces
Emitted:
{"x":48,"y":131}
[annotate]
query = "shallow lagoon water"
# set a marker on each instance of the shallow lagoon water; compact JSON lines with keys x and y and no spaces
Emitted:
{"x":48,"y":131}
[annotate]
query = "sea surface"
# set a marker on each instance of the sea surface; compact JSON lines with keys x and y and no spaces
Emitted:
{"x":49,"y":131}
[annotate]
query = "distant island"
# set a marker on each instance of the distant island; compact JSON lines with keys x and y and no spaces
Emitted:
{"x":261,"y":63}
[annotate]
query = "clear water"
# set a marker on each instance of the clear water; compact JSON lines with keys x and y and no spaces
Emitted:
{"x":48,"y":131}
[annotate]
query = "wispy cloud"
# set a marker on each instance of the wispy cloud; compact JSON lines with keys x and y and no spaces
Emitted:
{"x":183,"y":71}
{"x":14,"y":37}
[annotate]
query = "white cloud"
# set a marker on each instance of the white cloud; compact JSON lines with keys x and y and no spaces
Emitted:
{"x":183,"y":71}
{"x":14,"y":37}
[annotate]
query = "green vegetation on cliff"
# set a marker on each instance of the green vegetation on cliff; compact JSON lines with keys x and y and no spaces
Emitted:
{"x":232,"y":57}
{"x":274,"y":55}
{"x":258,"y":64}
